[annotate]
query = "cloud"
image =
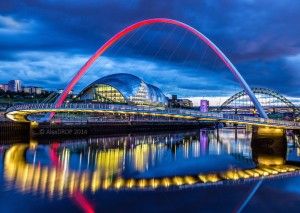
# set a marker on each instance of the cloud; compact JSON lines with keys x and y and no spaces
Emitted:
{"x":56,"y":69}
{"x":10,"y":26}
{"x":56,"y":37}
{"x":9,"y":22}
{"x":47,"y":69}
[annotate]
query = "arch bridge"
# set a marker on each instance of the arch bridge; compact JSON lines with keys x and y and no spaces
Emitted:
{"x":22,"y":113}
{"x":270,"y":100}
{"x":60,"y":100}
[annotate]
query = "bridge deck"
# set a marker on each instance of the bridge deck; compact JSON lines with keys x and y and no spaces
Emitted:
{"x":20,"y":113}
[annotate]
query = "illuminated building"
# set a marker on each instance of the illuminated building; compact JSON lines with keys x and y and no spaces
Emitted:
{"x":14,"y":86}
{"x":32,"y":90}
{"x":204,"y":105}
{"x":61,"y":90}
{"x":123,"y":88}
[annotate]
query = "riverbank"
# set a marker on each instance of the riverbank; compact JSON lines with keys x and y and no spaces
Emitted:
{"x":85,"y":129}
{"x":23,"y":131}
{"x":14,"y":131}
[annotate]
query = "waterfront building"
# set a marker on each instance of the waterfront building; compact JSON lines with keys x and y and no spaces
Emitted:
{"x":4,"y":87}
{"x":61,"y":91}
{"x":27,"y":90}
{"x":174,"y":102}
{"x":123,"y":88}
{"x":204,"y":105}
{"x":37,"y":90}
{"x":32,"y":90}
{"x":15,"y":86}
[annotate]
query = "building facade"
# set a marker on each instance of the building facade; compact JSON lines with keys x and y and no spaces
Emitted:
{"x":32,"y":90}
{"x":204,"y":105}
{"x":123,"y":88}
{"x":15,"y":86}
{"x":4,"y":87}
{"x":174,"y":102}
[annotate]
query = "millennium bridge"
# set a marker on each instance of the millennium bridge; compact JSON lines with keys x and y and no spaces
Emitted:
{"x":24,"y":113}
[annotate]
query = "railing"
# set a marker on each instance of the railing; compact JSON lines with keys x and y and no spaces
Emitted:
{"x":155,"y":110}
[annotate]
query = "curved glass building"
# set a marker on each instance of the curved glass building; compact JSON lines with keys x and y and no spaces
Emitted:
{"x":123,"y":88}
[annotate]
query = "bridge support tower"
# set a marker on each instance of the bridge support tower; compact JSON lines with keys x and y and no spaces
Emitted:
{"x":33,"y":126}
{"x":269,"y":146}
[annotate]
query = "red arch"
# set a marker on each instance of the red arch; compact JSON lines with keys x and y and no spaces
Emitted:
{"x":131,"y":28}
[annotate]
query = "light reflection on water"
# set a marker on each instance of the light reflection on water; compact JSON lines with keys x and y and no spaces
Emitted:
{"x":139,"y":161}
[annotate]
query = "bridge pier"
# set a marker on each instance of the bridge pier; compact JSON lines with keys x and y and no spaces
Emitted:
{"x":33,"y":127}
{"x":269,"y":146}
{"x":249,"y":128}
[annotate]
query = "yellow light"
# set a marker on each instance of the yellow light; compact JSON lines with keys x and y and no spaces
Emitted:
{"x":261,"y":172}
{"x":251,"y":173}
{"x":130,"y":183}
{"x":243,"y":174}
{"x":203,"y":178}
{"x":231,"y":175}
{"x":178,"y":181}
{"x":119,"y":183}
{"x":212,"y":177}
{"x":154,"y":183}
{"x":142,"y":183}
{"x":95,"y":181}
{"x":190,"y":180}
{"x":106,"y":183}
{"x":32,"y":177}
{"x":270,"y":160}
{"x":290,"y":168}
{"x":270,"y":130}
{"x":269,"y":170}
{"x":72,"y":183}
{"x":166,"y":182}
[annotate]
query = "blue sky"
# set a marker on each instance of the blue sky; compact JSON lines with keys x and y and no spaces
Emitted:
{"x":45,"y":42}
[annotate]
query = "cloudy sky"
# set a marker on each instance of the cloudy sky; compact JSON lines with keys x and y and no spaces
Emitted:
{"x":45,"y":42}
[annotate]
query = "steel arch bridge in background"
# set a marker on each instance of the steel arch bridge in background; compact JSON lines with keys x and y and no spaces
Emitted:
{"x":269,"y":99}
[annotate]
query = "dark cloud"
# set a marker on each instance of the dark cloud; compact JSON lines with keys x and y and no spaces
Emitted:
{"x":258,"y":36}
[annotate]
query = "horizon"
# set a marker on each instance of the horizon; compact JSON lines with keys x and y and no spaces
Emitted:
{"x":213,"y":100}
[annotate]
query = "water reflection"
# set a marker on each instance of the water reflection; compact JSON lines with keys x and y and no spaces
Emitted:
{"x":269,"y":150}
{"x":142,"y":161}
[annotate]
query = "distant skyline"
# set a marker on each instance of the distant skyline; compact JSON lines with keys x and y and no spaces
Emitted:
{"x":44,"y":43}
